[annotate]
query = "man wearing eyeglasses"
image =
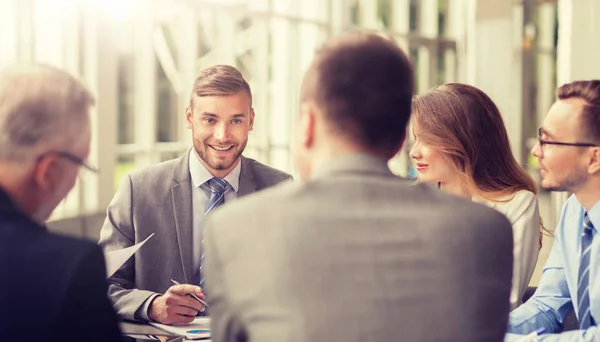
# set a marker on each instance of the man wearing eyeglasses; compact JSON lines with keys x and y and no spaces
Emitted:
{"x":568,"y":150}
{"x":53,"y":287}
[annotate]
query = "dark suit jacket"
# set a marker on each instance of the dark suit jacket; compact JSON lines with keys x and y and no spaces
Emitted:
{"x":158,"y":199}
{"x":357,"y":254}
{"x":53,"y":288}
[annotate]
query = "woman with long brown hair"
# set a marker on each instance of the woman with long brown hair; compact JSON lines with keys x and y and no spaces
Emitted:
{"x":462,"y":145}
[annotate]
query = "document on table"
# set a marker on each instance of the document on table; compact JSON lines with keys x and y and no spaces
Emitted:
{"x":198,"y":329}
{"x":115,"y":259}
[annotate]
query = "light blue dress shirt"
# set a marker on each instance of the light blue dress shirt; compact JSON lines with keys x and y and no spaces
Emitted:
{"x":556,"y":296}
{"x":200,"y":197}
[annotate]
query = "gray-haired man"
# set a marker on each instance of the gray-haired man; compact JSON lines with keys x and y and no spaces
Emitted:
{"x":54,"y":287}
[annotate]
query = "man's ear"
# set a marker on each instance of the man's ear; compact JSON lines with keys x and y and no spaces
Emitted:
{"x":251,"y":120}
{"x":307,"y":125}
{"x":188,"y":117}
{"x":46,"y":171}
{"x":594,"y":162}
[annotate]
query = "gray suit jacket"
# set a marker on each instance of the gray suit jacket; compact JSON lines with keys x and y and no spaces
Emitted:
{"x":357,"y":254}
{"x":158,"y":199}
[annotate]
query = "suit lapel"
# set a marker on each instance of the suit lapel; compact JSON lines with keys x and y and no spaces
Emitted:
{"x":182,"y":210}
{"x":247,"y":184}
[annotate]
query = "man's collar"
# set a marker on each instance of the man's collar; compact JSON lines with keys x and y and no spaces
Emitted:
{"x":201,"y":175}
{"x":10,"y":208}
{"x":594,"y":215}
{"x":353,"y":163}
{"x":6,"y":202}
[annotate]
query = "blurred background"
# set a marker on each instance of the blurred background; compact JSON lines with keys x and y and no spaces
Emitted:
{"x":140,"y":58}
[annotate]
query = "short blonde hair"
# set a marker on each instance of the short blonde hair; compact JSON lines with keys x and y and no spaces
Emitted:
{"x":41,"y":107}
{"x":220,"y":80}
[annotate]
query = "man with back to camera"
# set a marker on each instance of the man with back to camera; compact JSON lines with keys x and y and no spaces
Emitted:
{"x":568,"y":151}
{"x":354,"y":253}
{"x":54,"y":287}
{"x":171,"y":200}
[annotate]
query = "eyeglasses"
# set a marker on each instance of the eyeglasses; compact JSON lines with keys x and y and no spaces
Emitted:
{"x":71,"y":157}
{"x":560,"y":143}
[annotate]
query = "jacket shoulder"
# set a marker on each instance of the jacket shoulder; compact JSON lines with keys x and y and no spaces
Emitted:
{"x":265,"y":175}
{"x":151,"y":171}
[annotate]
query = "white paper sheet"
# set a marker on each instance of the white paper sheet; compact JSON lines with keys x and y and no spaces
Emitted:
{"x":115,"y":259}
{"x":198,"y":329}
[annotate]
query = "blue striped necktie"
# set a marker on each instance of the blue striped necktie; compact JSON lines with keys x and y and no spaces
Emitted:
{"x":218,"y":187}
{"x":583,"y":289}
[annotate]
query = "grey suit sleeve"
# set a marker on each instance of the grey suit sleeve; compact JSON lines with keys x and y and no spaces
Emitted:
{"x":118,"y":232}
{"x":225,"y":324}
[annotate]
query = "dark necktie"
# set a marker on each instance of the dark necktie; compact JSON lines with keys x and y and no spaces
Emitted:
{"x":583,"y":289}
{"x":218,"y":187}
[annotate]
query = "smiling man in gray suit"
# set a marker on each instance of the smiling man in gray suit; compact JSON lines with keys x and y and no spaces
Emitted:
{"x":354,"y":253}
{"x":171,"y":200}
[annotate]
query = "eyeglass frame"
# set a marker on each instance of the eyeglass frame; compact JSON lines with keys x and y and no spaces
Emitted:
{"x":560,"y":143}
{"x":72,"y":158}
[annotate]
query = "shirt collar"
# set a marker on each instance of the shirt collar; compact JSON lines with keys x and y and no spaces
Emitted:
{"x":594,"y":215}
{"x":200,"y":174}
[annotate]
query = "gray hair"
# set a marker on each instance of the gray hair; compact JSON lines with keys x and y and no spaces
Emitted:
{"x":41,"y":108}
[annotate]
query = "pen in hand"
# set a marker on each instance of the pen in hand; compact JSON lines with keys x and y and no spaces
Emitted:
{"x":191,"y":294}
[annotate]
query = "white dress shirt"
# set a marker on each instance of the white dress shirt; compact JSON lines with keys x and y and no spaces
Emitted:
{"x":200,"y":197}
{"x":523,"y":213}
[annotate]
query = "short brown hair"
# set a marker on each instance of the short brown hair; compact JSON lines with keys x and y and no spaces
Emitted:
{"x":589,"y":91}
{"x":364,"y":85}
{"x":219,"y":80}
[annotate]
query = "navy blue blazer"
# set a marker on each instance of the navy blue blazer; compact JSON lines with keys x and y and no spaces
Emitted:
{"x":53,"y":288}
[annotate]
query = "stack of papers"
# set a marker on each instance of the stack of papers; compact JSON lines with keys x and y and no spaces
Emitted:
{"x":198,"y":329}
{"x":117,"y":258}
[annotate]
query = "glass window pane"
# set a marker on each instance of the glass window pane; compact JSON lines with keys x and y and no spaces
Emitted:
{"x":124,"y":165}
{"x":413,"y":55}
{"x":442,"y":17}
{"x":415,"y":12}
{"x":441,"y":67}
{"x":126,"y":115}
{"x":166,"y":108}
{"x":384,"y":13}
{"x":354,"y":13}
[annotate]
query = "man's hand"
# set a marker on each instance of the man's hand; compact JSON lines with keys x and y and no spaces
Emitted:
{"x":175,"y":306}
